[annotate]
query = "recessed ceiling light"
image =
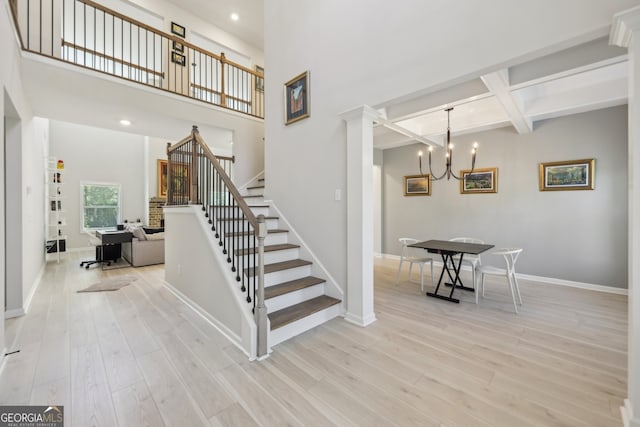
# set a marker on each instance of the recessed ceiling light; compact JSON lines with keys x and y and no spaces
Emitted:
{"x":125,"y":122}
{"x":235,"y":16}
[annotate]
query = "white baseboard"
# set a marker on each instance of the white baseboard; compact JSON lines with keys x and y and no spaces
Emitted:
{"x":628,"y":419}
{"x":540,"y":279}
{"x":359,"y":320}
{"x":16,"y":312}
{"x":251,"y":181}
{"x":3,"y":360}
{"x":34,"y":288}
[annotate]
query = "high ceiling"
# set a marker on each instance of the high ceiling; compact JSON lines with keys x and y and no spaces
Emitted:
{"x":249,"y":27}
{"x":579,"y":79}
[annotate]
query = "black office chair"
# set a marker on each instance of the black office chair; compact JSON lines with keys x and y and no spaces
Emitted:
{"x":103,"y":255}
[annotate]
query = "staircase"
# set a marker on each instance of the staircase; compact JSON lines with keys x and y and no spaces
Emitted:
{"x":295,"y":298}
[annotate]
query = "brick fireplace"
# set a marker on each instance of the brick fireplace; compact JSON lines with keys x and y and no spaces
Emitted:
{"x":156,"y":215}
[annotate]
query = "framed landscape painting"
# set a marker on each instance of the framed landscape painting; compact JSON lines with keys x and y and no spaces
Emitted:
{"x":417,"y":185}
{"x":567,"y":175}
{"x":479,"y":181}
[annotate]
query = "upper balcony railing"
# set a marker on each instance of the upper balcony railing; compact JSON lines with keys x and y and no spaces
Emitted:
{"x":92,"y":36}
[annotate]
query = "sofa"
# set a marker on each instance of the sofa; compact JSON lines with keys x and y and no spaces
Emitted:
{"x":146,"y":248}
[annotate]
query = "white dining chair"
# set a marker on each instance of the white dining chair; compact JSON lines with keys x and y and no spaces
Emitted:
{"x":470,"y":259}
{"x":405,"y":256}
{"x":510,"y":257}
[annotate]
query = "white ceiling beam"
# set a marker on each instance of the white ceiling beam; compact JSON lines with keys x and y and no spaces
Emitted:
{"x":498,"y":84}
{"x":414,"y":136}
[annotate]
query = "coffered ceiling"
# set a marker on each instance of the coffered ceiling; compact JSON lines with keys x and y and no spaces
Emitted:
{"x":583,"y":78}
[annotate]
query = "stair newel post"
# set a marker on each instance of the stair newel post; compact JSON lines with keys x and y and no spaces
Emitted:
{"x":194,"y":167}
{"x":169,"y":178}
{"x":223,"y":95}
{"x":260,"y":310}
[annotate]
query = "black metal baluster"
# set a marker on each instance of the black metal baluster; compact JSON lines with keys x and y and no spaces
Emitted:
{"x":252,"y":282}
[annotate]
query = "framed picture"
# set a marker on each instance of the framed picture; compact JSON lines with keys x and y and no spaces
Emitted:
{"x":178,"y":47}
{"x":296,"y":98}
{"x":479,"y":181}
{"x":259,"y":80}
{"x":417,"y":185}
{"x":178,"y":30}
{"x":567,"y":175}
{"x":178,"y":58}
{"x":180,"y":178}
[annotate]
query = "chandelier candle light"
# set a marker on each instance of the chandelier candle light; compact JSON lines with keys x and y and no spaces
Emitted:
{"x":449,"y":156}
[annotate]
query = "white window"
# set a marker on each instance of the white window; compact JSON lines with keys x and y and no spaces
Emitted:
{"x":100,"y":205}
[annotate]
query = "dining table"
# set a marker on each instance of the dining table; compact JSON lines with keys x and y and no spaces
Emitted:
{"x":449,"y":250}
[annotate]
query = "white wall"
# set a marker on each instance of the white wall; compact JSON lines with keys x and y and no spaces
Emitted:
{"x":572,"y":235}
{"x":368,"y":58}
{"x":10,"y":81}
{"x":98,"y":155}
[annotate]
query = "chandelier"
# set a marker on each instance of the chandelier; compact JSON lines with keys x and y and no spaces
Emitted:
{"x":449,"y":156}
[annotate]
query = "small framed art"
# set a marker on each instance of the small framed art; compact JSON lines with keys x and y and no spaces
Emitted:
{"x":178,"y":47}
{"x":417,"y":185}
{"x":178,"y":30}
{"x":567,"y":175}
{"x":479,"y":181}
{"x":178,"y":58}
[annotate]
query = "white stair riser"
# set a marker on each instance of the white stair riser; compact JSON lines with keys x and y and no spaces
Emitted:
{"x":260,"y":211}
{"x":271,"y":239}
{"x":282,"y":276}
{"x":271,"y":224}
{"x":254,"y":191}
{"x":291,"y":298}
{"x":303,"y":325}
{"x":254,"y":200}
{"x":228,"y":211}
{"x":276,"y":256}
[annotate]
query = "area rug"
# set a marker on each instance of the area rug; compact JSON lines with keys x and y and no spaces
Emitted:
{"x":111,"y":284}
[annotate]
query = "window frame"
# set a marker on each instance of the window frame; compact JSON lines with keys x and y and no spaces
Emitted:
{"x":83,"y":184}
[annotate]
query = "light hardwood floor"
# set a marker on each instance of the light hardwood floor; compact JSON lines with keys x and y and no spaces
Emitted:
{"x":139,"y":357}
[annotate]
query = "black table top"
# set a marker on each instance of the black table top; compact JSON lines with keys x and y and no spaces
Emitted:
{"x":448,"y":247}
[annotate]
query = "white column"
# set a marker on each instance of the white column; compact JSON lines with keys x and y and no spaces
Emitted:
{"x":625,"y":32}
{"x":359,"y":293}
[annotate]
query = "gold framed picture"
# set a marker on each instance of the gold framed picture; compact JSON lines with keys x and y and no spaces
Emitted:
{"x":417,"y":185}
{"x":296,"y":98}
{"x":479,"y":181}
{"x":180,"y":178}
{"x":567,"y":175}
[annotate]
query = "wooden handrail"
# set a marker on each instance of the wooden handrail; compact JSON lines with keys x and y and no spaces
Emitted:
{"x":251,"y":218}
{"x":112,"y":58}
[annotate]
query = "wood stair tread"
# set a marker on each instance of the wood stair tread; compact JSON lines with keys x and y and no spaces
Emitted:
{"x":268,"y":248}
{"x":255,"y":188}
{"x":279,"y":266}
{"x":298,"y":311}
{"x":250,"y":232}
{"x":261,"y":180}
{"x":291,"y":286}
{"x":252,"y":196}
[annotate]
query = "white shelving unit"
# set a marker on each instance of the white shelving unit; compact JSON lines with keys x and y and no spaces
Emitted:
{"x":56,"y":238}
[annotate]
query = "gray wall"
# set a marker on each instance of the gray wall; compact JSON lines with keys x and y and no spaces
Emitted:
{"x":572,"y":235}
{"x":98,"y":155}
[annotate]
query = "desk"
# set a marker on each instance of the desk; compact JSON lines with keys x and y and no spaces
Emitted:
{"x":111,"y":247}
{"x":447,"y":251}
